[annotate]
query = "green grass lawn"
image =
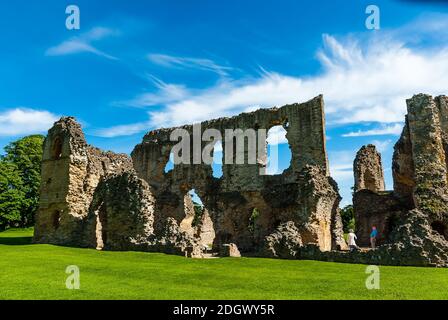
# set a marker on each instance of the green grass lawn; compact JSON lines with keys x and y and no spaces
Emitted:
{"x":38,"y":272}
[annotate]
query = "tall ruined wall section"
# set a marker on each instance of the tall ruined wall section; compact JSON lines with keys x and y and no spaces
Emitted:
{"x":430,"y":171}
{"x":368,"y":170}
{"x":303,"y":194}
{"x":102,"y":200}
{"x":413,"y":218}
{"x":71,"y":170}
{"x":420,"y":158}
{"x":403,"y":168}
{"x":372,"y":205}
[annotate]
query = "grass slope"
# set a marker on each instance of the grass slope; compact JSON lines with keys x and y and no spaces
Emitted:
{"x":38,"y":272}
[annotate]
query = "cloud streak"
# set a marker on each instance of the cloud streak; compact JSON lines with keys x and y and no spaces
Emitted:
{"x":83,"y":43}
{"x":364,"y":80}
{"x":189,"y":63}
{"x":166,"y":93}
{"x":24,"y":121}
{"x":394,"y":130}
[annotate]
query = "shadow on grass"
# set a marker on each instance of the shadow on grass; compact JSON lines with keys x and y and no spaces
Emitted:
{"x":15,"y":241}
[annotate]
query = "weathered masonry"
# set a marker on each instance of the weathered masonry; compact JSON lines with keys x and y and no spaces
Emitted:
{"x":99,"y":199}
{"x":91,"y":198}
{"x":412,"y":219}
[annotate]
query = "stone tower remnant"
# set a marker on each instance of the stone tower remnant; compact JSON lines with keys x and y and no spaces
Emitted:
{"x":368,"y":170}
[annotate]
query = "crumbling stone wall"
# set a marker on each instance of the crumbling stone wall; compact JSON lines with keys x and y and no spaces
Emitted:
{"x":430,"y":170}
{"x":370,"y":189}
{"x":303,"y":194}
{"x":106,"y":201}
{"x":413,"y":218}
{"x":122,"y":214}
{"x":403,"y":168}
{"x":102,"y":200}
{"x":420,"y":159}
{"x":368,"y":170}
{"x":71,"y":171}
{"x":381,"y":210}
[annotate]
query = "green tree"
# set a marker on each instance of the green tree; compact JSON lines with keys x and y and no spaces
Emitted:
{"x":20,"y":173}
{"x":12,"y":196}
{"x":348,"y":218}
{"x":198,"y":213}
{"x":253,"y":220}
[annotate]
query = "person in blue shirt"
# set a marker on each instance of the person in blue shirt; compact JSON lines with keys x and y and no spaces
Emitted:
{"x":373,"y":236}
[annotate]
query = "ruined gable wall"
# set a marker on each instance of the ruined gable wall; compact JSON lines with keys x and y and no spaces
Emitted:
{"x":430,"y":170}
{"x":96,"y":195}
{"x":305,"y":133}
{"x":231,"y":199}
{"x":403,"y":168}
{"x":71,"y":170}
{"x":420,"y":162}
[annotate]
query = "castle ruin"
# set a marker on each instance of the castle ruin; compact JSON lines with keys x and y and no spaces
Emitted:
{"x":95,"y":199}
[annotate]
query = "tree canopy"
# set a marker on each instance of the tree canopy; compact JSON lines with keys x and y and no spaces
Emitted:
{"x":20,"y":181}
{"x":348,"y":218}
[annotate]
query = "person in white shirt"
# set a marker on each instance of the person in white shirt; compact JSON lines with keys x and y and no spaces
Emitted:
{"x":352,"y":241}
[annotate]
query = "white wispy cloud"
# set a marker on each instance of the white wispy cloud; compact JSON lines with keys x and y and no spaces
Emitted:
{"x":382,"y":145}
{"x":24,"y":121}
{"x":363,"y":80}
{"x":341,"y":169}
{"x":188,"y":62}
{"x":383,"y":130}
{"x":83,"y":43}
{"x":166,"y":93}
{"x":122,"y":130}
{"x":277,"y":135}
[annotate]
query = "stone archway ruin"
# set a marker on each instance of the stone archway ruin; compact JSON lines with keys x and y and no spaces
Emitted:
{"x":304,"y":194}
{"x":297,"y":215}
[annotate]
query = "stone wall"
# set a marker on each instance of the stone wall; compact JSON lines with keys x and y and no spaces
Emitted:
{"x":412,"y":219}
{"x":372,"y":205}
{"x":368,"y":170}
{"x":381,"y":210}
{"x":107,"y":201}
{"x":303,"y":194}
{"x":71,"y":171}
{"x":102,"y":200}
{"x":430,"y":167}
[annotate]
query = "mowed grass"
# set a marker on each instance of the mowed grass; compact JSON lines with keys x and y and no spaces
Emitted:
{"x":38,"y":272}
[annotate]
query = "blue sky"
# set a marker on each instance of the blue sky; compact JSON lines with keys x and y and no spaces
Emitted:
{"x":139,"y":65}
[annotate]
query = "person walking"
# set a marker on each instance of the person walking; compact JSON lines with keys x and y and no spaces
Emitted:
{"x":373,"y":236}
{"x":352,"y":241}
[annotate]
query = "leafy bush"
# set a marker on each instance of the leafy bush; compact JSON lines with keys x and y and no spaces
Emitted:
{"x":198,"y":213}
{"x":20,"y":182}
{"x":253,"y":220}
{"x":348,"y":218}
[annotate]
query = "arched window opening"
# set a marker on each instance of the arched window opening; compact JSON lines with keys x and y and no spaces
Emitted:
{"x":198,"y":208}
{"x":217,"y":160}
{"x":56,"y":151}
{"x":199,"y":220}
{"x":170,"y":164}
{"x":278,"y":152}
{"x":56,"y":219}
